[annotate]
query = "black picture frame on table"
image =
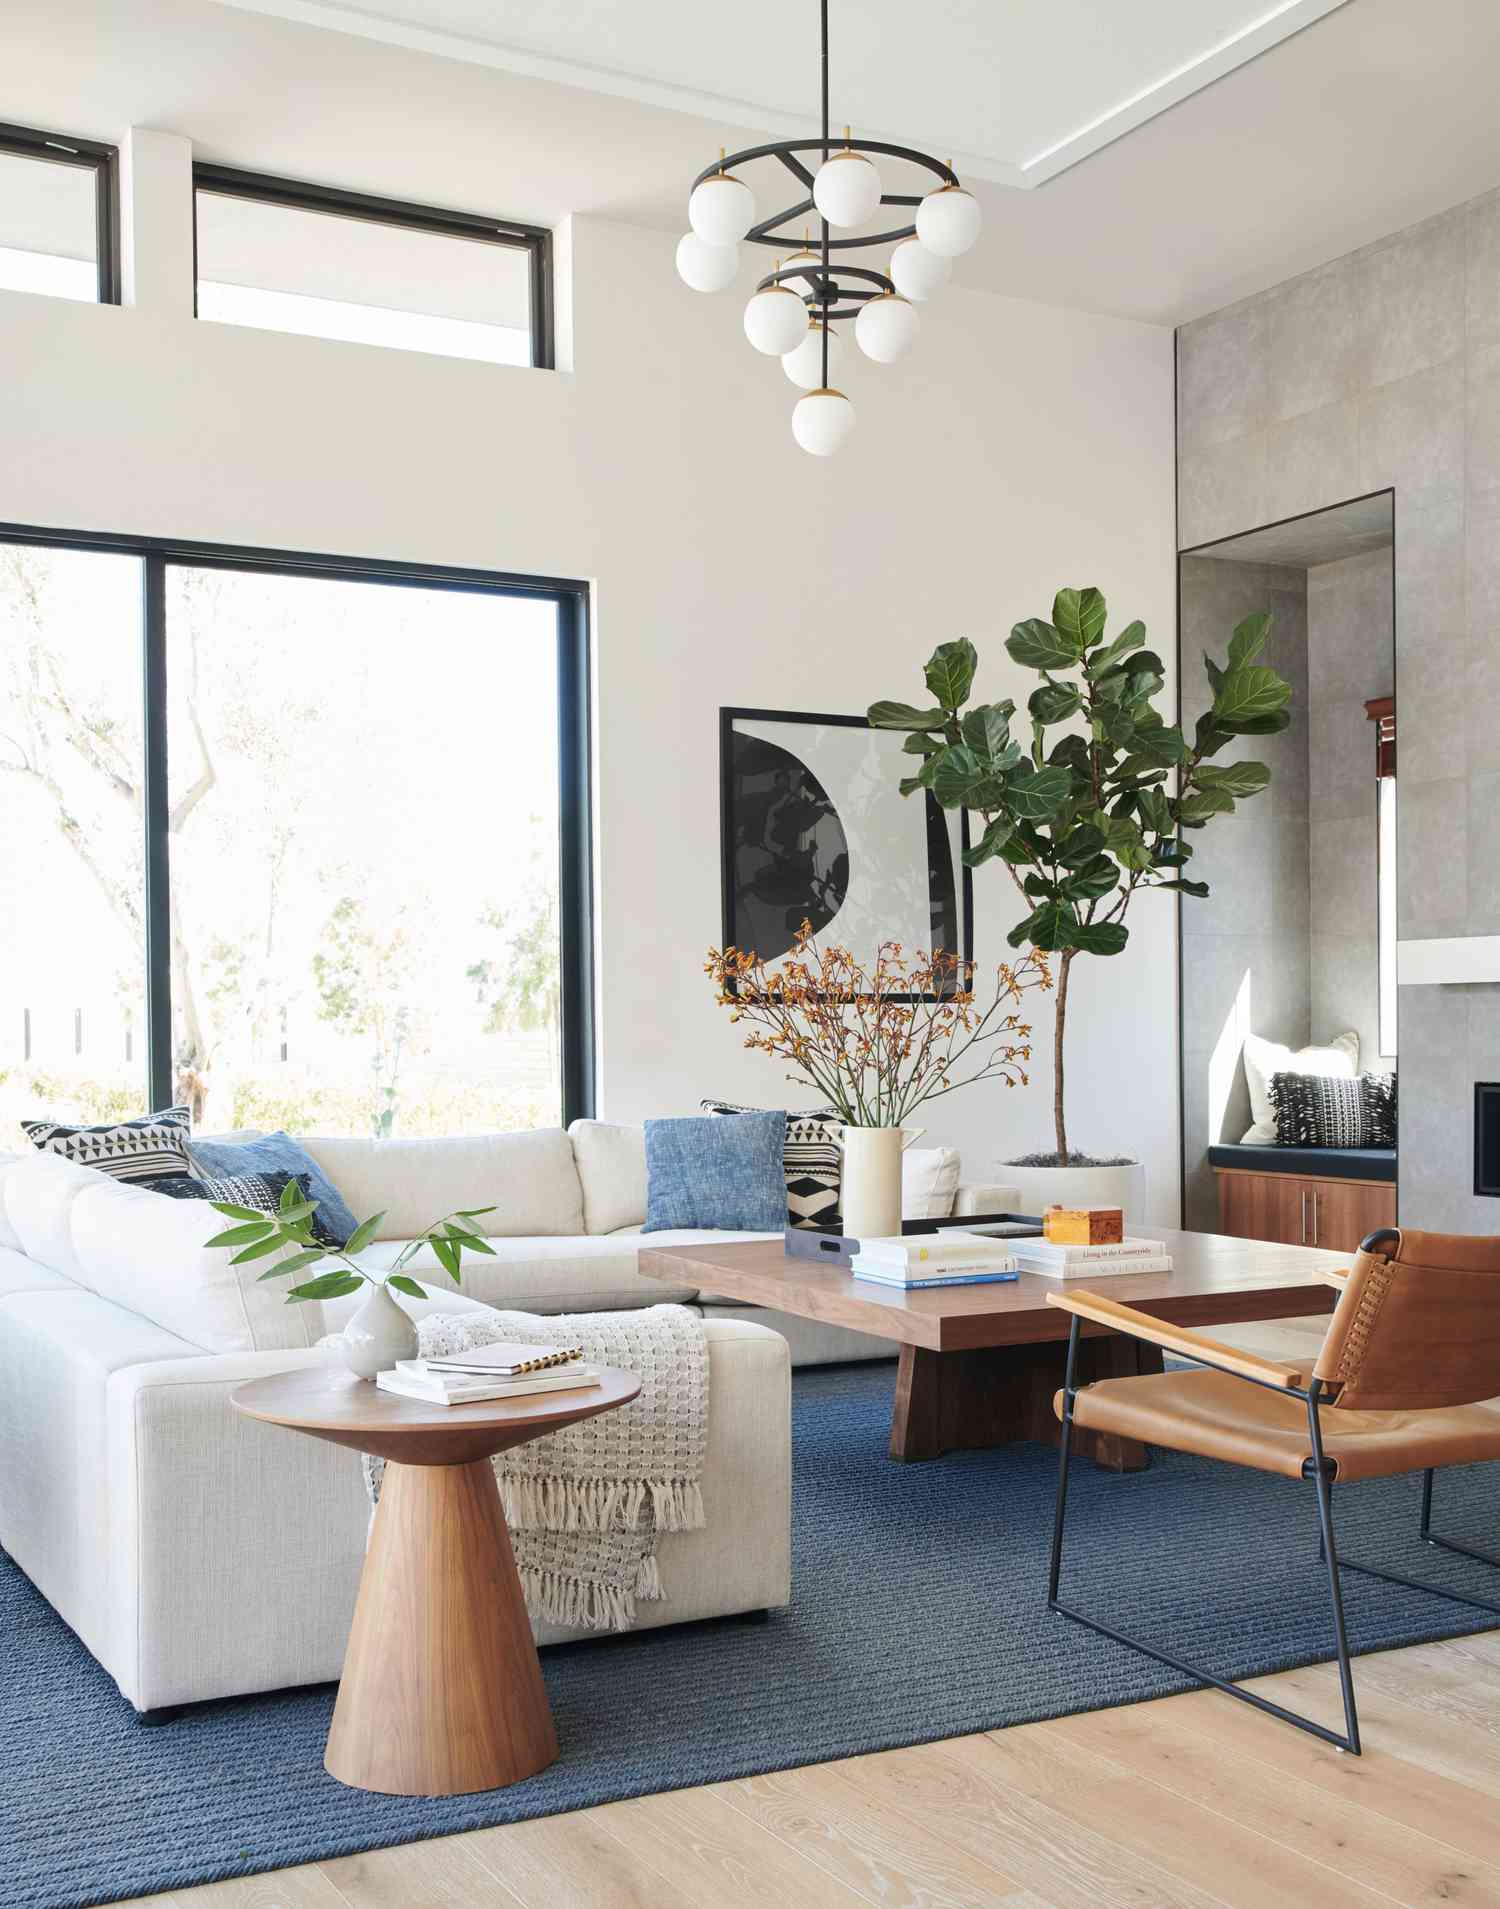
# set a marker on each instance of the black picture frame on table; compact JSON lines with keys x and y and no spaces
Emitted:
{"x":937,"y":819}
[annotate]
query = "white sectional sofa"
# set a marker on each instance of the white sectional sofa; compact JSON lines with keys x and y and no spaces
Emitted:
{"x":199,"y":1554}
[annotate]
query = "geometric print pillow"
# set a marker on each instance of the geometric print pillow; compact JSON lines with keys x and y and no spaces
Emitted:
{"x":1378,"y":1104}
{"x":261,"y":1191}
{"x":812,"y":1162}
{"x":1318,"y":1110}
{"x":144,"y":1149}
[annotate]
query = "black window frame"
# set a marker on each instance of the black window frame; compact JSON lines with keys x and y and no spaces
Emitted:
{"x":303,"y":196}
{"x":91,"y":155}
{"x":576,"y":1036}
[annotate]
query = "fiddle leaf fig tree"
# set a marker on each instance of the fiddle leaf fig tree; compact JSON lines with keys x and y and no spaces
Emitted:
{"x":1089,"y":795}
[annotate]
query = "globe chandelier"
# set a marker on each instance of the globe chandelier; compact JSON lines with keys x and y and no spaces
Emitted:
{"x":796,"y":310}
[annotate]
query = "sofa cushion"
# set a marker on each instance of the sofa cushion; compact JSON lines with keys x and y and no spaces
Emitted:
{"x":529,"y":1178}
{"x":611,"y":1164}
{"x":558,"y":1275}
{"x":929,"y":1182}
{"x":147,"y":1255}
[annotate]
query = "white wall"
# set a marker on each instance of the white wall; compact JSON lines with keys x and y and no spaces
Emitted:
{"x":1020,"y":448}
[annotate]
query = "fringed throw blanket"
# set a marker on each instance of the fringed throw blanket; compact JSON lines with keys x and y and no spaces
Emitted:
{"x":586,"y":1505}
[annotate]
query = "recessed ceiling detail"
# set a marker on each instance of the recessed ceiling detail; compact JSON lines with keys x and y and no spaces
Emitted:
{"x":1012,"y":94}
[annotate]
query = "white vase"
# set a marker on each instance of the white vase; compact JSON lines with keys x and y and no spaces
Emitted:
{"x":870,"y":1181}
{"x":380,"y":1333}
{"x":1041,"y":1187}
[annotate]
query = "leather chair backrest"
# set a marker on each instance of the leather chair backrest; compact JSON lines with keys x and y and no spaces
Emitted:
{"x":1417,"y":1325}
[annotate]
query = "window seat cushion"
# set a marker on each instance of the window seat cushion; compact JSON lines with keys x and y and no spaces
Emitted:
{"x":1312,"y":1163}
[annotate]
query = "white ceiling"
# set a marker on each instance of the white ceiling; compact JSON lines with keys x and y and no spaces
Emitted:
{"x":1013,"y":93}
{"x":1378,"y":114}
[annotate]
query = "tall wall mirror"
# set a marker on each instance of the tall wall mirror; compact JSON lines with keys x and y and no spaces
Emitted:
{"x":1288,"y":995}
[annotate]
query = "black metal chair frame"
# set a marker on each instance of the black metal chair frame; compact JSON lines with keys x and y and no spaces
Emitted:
{"x":1318,"y":1470}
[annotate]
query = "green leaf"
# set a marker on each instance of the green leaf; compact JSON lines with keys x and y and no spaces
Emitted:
{"x":1117,"y":726}
{"x":922,"y":742}
{"x":1249,"y":693}
{"x":232,"y":1212}
{"x":1101,"y":937}
{"x":1055,"y":702}
{"x":1053,"y":925}
{"x":1079,"y":615}
{"x":953,"y":774}
{"x":404,"y":1283}
{"x":1270,"y":725}
{"x":1161,"y":744}
{"x":887,"y":716}
{"x":327,"y":1286}
{"x":909,"y":785}
{"x":1237,"y":778}
{"x":1215,"y":674}
{"x":475,"y":1212}
{"x":292,"y":1196}
{"x":1035,"y":797}
{"x":295,"y":1264}
{"x":1188,"y":888}
{"x":273,"y":1245}
{"x":1037,"y":645}
{"x":1083,"y":843}
{"x":1194,"y":810}
{"x":1155,"y":811}
{"x":1208,"y":738}
{"x":950,"y":674}
{"x":360,"y":1238}
{"x":987,"y":728}
{"x":242,"y":1235}
{"x":991,"y":842}
{"x":1097,"y":877}
{"x":1130,"y":638}
{"x":1249,"y":639}
{"x":447,"y":1258}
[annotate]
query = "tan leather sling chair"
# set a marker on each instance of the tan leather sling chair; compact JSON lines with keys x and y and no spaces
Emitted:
{"x":1411,"y":1355}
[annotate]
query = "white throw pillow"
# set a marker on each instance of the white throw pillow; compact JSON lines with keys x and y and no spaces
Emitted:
{"x":611,"y":1163}
{"x":929,"y":1182}
{"x":529,"y":1178}
{"x":1264,"y":1058}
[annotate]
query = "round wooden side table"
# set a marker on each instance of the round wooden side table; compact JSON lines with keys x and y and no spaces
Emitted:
{"x":442,"y":1692}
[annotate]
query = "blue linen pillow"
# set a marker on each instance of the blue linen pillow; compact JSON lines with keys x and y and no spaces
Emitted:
{"x":720,"y":1171}
{"x":277,"y":1153}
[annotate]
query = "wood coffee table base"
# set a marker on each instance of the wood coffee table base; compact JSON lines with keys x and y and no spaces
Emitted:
{"x":442,"y":1692}
{"x":956,"y":1401}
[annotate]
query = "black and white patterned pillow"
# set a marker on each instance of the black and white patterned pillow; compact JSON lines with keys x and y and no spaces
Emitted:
{"x":151,"y":1147}
{"x":1378,"y":1105}
{"x":262,"y":1191}
{"x":812,"y":1163}
{"x":1318,"y":1110}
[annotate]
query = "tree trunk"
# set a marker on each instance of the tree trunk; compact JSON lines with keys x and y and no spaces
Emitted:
{"x":1060,"y":1030}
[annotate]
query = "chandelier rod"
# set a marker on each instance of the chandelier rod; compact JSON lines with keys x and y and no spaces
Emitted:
{"x":825,"y":286}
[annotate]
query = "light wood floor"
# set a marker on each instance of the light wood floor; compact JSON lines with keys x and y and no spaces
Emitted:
{"x":1186,"y":1803}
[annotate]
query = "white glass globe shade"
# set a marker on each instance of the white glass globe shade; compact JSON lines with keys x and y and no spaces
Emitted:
{"x":707,"y":268}
{"x":948,"y":221}
{"x":775,"y":320}
{"x":917,"y":273}
{"x":722,"y":209}
{"x":847,"y":189}
{"x":803,"y":262}
{"x":821,"y":421}
{"x":886,"y":325}
{"x":804,"y":366}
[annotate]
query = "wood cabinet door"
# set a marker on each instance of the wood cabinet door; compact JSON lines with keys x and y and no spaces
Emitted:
{"x":1264,"y":1206}
{"x":1342,"y":1212}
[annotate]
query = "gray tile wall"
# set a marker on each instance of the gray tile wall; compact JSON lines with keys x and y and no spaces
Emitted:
{"x":1383,"y":369}
{"x":1246,"y":948}
{"x":1349,"y":660}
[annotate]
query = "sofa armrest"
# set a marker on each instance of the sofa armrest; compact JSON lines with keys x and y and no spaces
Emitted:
{"x":982,"y":1197}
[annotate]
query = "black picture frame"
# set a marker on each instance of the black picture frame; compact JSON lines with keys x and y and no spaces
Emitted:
{"x":946,"y":834}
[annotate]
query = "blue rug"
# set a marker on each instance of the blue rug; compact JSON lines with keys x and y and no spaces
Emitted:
{"x":917,"y":1613}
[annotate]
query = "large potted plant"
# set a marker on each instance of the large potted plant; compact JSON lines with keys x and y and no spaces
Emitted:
{"x":1092,"y":801}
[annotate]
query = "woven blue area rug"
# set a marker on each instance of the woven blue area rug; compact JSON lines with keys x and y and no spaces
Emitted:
{"x":918,"y":1612}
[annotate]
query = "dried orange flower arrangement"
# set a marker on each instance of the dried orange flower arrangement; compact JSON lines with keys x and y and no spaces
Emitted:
{"x":877,"y":1044}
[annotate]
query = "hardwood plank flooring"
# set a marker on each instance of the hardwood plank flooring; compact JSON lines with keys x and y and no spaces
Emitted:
{"x":1191,"y":1802}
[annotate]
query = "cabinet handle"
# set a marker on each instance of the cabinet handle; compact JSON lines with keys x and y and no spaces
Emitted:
{"x":1304,"y":1216}
{"x":1317,"y":1220}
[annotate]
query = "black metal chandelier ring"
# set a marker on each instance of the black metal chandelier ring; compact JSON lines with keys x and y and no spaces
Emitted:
{"x":827,"y":290}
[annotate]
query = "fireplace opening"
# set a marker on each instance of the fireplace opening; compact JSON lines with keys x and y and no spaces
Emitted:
{"x":1487,"y":1137}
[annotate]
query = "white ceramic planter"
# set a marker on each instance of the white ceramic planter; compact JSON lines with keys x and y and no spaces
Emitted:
{"x":379,"y":1334}
{"x":1041,"y":1187}
{"x":870,"y":1180}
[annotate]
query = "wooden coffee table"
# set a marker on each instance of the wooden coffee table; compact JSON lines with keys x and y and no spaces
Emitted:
{"x":980,"y":1364}
{"x":441,"y":1692}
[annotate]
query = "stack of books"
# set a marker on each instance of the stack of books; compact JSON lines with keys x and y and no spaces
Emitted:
{"x":1058,"y":1260}
{"x":931,"y":1259}
{"x":503,"y":1371}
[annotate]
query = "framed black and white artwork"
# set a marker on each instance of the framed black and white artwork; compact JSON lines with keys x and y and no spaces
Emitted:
{"x":815,"y":829}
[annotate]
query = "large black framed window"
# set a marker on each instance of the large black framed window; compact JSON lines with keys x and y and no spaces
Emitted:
{"x":287,"y":255}
{"x":300,"y":841}
{"x":59,"y":215}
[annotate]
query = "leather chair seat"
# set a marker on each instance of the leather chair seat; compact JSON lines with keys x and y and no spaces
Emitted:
{"x":1217,"y":1416}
